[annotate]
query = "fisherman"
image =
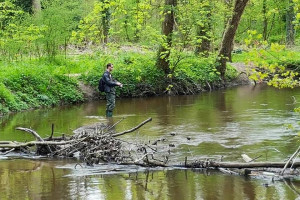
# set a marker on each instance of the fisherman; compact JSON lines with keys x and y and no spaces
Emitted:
{"x":109,"y":89}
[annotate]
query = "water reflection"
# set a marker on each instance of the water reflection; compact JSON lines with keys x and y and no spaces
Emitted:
{"x":219,"y":124}
{"x":41,"y":180}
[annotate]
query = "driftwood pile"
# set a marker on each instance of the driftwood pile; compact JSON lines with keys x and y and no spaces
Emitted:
{"x":100,"y":143}
{"x":92,"y":144}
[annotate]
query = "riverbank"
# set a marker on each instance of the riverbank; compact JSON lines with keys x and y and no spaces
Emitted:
{"x":91,"y":93}
{"x":29,"y":84}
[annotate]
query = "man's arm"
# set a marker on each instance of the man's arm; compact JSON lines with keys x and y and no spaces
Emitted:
{"x":109,"y":82}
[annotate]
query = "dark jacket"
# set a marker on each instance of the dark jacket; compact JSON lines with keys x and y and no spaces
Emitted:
{"x":110,"y":83}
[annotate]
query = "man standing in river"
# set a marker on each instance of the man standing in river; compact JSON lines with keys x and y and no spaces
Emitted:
{"x":109,"y":89}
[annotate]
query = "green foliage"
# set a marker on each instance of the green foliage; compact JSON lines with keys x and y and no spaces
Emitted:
{"x":6,"y":97}
{"x":127,"y":22}
{"x":140,"y":77}
{"x":8,"y":13}
{"x":27,"y":85}
{"x":67,"y":37}
{"x":24,"y":35}
{"x":136,"y":71}
{"x":60,"y":17}
{"x":274,"y":16}
{"x":297,"y":11}
{"x":17,"y":40}
{"x":269,"y":62}
{"x":198,"y":70}
{"x":90,"y":27}
{"x":26,"y":5}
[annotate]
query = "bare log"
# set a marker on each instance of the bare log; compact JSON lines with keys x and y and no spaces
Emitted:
{"x":133,"y":129}
{"x":212,"y":164}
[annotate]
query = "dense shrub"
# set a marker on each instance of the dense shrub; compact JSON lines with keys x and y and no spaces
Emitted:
{"x":30,"y":85}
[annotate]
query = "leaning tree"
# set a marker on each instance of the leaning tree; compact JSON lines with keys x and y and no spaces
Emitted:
{"x":228,"y":36}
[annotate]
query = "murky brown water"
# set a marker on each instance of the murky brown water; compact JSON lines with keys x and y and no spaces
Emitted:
{"x":222,"y":123}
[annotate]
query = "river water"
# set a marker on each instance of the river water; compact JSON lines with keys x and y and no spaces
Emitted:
{"x":258,"y":121}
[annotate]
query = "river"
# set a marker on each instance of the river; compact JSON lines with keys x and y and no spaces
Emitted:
{"x":258,"y":121}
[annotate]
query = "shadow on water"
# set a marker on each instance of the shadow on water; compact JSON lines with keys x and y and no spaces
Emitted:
{"x":223,"y":123}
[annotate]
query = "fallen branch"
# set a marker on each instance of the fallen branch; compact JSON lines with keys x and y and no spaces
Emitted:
{"x":35,"y":134}
{"x":288,"y":162}
{"x":32,"y":143}
{"x":6,"y":152}
{"x":133,"y":129}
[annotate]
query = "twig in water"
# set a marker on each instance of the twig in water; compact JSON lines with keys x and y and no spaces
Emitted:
{"x":78,"y":164}
{"x":255,"y":158}
{"x":111,"y":127}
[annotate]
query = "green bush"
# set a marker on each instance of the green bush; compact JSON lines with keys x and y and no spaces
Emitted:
{"x":28,"y":85}
{"x":199,"y":70}
{"x":136,"y":71}
{"x":140,"y":76}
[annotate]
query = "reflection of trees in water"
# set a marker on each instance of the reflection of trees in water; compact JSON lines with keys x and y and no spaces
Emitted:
{"x":223,"y":105}
{"x":164,"y":108}
{"x":24,"y":179}
{"x":41,"y":180}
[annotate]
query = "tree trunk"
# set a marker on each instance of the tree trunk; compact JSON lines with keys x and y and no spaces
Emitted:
{"x":36,"y":6}
{"x":265,"y":21}
{"x":229,"y":34}
{"x":290,"y":29}
{"x":167,"y":30}
{"x":203,"y":33}
{"x":106,"y":21}
{"x":137,"y":29}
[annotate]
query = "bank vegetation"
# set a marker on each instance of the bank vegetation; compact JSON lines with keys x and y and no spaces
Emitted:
{"x":50,"y":49}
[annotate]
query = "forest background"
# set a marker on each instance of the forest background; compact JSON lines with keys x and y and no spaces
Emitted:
{"x":49,"y":48}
